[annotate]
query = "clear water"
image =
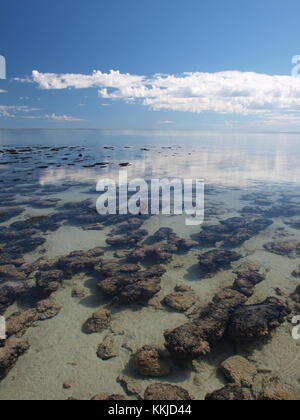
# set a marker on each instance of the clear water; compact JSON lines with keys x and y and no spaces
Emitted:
{"x":232,"y":165}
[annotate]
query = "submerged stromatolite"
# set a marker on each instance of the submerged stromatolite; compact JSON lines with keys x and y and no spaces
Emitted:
{"x":150,"y":362}
{"x":130,"y":240}
{"x":197,"y":338}
{"x":233,"y":232}
{"x":99,"y":322}
{"x":10,"y":291}
{"x":212,"y":261}
{"x":49,"y":281}
{"x":246,"y":281}
{"x":230,"y":392}
{"x":182,"y":299}
{"x":9,"y":354}
{"x":254,"y":322}
{"x":296,"y":295}
{"x":18,"y":323}
{"x":285,"y":248}
{"x":131,"y":285}
{"x":166,"y":392}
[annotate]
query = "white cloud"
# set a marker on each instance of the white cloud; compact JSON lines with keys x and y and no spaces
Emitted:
{"x":229,"y":92}
{"x":167,"y":122}
{"x":61,"y":118}
{"x":12,"y":110}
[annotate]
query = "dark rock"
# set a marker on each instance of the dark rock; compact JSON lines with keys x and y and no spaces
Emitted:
{"x":197,"y":338}
{"x":131,"y":286}
{"x":253,"y":322}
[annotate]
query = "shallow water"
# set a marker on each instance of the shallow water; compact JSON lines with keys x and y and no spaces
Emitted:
{"x":39,"y":165}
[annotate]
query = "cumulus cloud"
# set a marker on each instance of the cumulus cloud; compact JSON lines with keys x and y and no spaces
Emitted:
{"x":228,"y":92}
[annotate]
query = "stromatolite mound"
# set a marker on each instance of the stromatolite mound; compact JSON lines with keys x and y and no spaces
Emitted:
{"x":130,"y":240}
{"x":285,"y":248}
{"x":170,"y":237}
{"x":7,"y":213}
{"x":107,"y":397}
{"x":157,"y":254}
{"x":9,"y":292}
{"x":233,"y":232}
{"x":47,"y":309}
{"x":166,"y":392}
{"x":99,"y":322}
{"x":182,"y":299}
{"x":127,"y":284}
{"x":247,"y":280}
{"x":108,"y":349}
{"x":212,"y":261}
{"x":9,"y":354}
{"x":150,"y":362}
{"x":74,"y":263}
{"x":253,"y":322}
{"x":49,"y":281}
{"x":197,"y":338}
{"x":229,"y":393}
{"x":239,"y":370}
{"x":18,"y":323}
{"x":296,"y":295}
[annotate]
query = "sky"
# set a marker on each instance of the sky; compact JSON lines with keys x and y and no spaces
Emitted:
{"x":151,"y":64}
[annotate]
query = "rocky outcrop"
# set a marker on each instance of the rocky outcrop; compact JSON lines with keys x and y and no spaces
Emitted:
{"x":254,"y":322}
{"x":166,"y":392}
{"x":99,"y":322}
{"x":182,"y":299}
{"x":150,"y":362}
{"x":198,"y":337}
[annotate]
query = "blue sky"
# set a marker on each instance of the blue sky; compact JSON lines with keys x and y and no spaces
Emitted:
{"x":217,"y":42}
